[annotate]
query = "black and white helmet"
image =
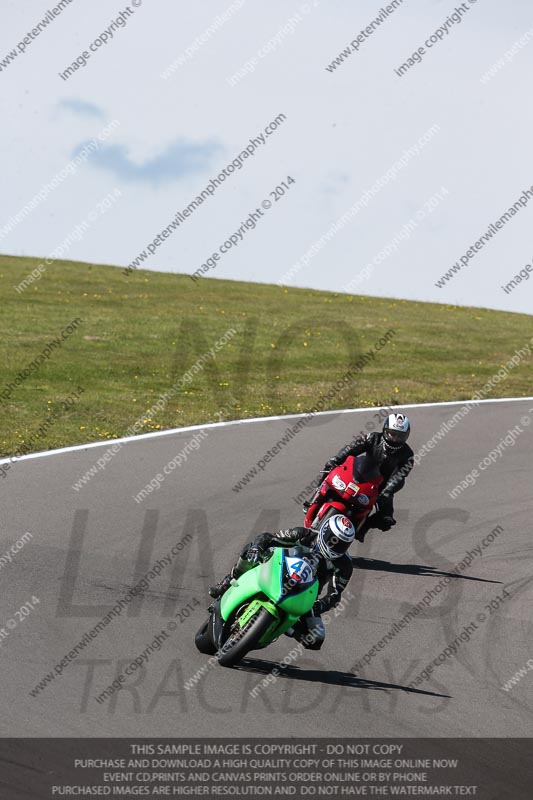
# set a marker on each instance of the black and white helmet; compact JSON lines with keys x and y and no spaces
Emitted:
{"x":335,"y":536}
{"x":396,"y":430}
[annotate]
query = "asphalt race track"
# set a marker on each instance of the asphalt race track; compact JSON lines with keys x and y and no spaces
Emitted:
{"x":90,"y":547}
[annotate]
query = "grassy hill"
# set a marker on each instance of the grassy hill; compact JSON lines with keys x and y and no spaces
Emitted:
{"x":136,"y":337}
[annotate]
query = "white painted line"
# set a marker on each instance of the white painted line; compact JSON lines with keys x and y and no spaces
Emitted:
{"x":156,"y":434}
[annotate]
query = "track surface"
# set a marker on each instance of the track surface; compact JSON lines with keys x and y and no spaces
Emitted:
{"x":320,"y":694}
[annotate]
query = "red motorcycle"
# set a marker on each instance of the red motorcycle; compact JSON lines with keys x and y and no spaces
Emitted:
{"x":351,"y":489}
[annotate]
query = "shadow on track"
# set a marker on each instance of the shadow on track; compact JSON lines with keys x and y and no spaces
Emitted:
{"x":411,"y":569}
{"x":329,"y":677}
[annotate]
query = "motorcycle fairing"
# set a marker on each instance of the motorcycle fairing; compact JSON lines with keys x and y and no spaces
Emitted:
{"x":263,"y":586}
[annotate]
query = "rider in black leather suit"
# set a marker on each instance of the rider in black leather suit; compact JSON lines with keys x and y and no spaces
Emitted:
{"x":333,"y":566}
{"x":390,"y":452}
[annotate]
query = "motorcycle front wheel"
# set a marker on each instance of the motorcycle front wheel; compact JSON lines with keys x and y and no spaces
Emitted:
{"x":241,"y":641}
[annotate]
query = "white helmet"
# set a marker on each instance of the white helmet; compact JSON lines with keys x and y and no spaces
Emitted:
{"x":396,"y":430}
{"x":335,"y":536}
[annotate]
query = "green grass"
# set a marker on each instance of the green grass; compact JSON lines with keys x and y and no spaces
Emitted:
{"x":141,"y":333}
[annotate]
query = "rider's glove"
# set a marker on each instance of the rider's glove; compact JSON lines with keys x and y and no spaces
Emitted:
{"x":263,"y":541}
{"x":258,"y":547}
{"x":307,"y":538}
{"x":317,"y":609}
{"x":385,"y":503}
{"x":253,"y":555}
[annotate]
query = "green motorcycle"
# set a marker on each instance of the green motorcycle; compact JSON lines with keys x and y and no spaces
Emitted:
{"x":260,"y":605}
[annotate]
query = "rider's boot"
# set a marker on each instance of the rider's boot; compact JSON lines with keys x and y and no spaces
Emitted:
{"x":362,"y":531}
{"x":360,"y":535}
{"x":222,"y":586}
{"x":218,"y":590}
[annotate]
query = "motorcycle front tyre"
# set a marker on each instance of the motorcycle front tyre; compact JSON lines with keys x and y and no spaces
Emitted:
{"x":239,"y":644}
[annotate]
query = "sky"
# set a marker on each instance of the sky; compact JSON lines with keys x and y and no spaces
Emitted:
{"x":368,"y":181}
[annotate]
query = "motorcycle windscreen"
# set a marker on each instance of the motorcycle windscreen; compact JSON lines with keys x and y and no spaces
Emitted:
{"x":365,"y":468}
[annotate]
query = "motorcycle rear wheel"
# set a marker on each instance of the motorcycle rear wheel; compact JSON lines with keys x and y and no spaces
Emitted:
{"x":239,"y":644}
